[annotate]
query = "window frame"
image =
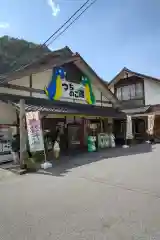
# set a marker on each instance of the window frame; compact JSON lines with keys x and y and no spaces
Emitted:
{"x":130,"y":97}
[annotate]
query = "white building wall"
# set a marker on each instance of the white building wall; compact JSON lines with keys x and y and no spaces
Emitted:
{"x":39,"y":80}
{"x":152,"y":92}
{"x":14,"y":91}
{"x":21,"y":81}
{"x":8,"y":113}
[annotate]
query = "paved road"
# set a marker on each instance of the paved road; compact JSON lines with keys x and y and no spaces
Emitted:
{"x":94,"y":197}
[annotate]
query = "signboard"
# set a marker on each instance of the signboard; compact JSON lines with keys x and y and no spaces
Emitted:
{"x":59,"y":88}
{"x":93,"y":126}
{"x":103,"y":140}
{"x":35,"y":135}
{"x":73,"y":91}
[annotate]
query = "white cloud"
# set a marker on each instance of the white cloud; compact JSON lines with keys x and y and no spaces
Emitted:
{"x":4,"y":25}
{"x":54,"y":6}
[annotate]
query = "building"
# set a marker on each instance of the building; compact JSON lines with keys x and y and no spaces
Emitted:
{"x":71,"y":112}
{"x":139,"y":96}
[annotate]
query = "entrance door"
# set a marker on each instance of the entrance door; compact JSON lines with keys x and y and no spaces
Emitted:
{"x":139,"y":129}
{"x":74,"y":136}
{"x":157,"y":128}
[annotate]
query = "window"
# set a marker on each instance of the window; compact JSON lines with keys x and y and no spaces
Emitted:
{"x":139,"y":90}
{"x":126,"y":92}
{"x":119,"y":92}
{"x":132,"y":91}
{"x":129,"y":92}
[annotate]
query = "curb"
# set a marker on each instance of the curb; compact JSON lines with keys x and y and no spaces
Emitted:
{"x":19,"y":171}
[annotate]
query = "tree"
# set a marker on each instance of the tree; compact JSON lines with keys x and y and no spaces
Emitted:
{"x":16,"y":52}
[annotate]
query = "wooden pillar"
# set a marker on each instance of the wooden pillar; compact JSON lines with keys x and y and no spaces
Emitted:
{"x":30,"y":84}
{"x":22,"y":132}
{"x":17,"y":117}
{"x":101,"y":125}
{"x":101,"y":100}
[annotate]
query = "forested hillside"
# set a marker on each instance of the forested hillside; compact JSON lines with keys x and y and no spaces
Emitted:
{"x":16,"y":52}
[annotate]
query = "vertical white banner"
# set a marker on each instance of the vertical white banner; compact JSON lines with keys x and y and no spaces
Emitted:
{"x":35,"y":134}
{"x":151,"y":124}
{"x":129,"y":134}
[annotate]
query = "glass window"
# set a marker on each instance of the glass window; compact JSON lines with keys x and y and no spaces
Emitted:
{"x":130,"y":92}
{"x":119,"y":93}
{"x":126,"y":93}
{"x":133,"y":91}
{"x":139,"y":90}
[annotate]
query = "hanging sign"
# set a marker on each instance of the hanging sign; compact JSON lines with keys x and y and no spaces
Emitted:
{"x":151,"y":124}
{"x":35,"y":135}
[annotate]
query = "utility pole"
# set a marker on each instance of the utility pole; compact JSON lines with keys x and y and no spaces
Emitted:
{"x":22,"y":132}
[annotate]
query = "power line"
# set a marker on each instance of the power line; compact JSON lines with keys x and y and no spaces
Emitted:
{"x":44,"y":44}
{"x":26,"y":65}
{"x":59,"y":34}
{"x":83,"y":5}
{"x":69,"y":1}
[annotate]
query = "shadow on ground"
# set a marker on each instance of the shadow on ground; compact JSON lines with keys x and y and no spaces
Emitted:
{"x":65,"y":164}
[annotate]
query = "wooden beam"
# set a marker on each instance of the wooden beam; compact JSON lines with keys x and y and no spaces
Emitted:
{"x":40,"y":91}
{"x":38,"y":68}
{"x":101,"y":100}
{"x":22,"y":88}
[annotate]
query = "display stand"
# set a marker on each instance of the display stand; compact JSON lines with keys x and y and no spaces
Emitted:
{"x":91,"y":144}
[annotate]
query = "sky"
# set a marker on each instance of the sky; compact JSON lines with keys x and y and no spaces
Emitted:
{"x":111,"y":35}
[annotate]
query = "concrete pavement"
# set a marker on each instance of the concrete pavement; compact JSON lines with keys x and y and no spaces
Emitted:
{"x":5,"y":174}
{"x":114,"y":195}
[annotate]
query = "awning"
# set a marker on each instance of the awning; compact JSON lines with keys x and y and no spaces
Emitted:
{"x":60,"y":107}
{"x":139,"y":110}
{"x":94,"y":112}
